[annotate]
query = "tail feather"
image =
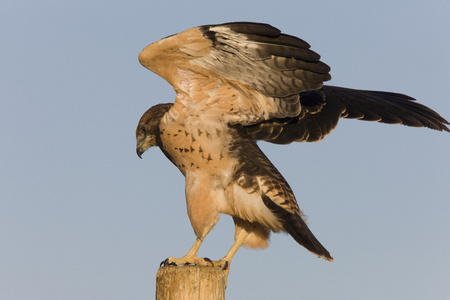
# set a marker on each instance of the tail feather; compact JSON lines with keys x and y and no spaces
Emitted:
{"x":297,"y":228}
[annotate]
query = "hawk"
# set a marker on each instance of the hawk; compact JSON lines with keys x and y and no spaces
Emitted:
{"x":237,"y":84}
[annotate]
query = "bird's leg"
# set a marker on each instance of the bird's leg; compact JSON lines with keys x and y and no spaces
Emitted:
{"x":190,"y":257}
{"x":226,"y":260}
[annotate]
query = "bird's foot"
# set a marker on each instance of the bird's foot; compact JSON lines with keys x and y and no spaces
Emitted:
{"x":224,"y":264}
{"x":187,"y":260}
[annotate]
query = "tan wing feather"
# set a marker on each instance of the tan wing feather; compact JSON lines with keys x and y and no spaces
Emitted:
{"x":243,"y":72}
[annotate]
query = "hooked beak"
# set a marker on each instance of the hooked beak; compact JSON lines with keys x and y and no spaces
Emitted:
{"x":139,"y":152}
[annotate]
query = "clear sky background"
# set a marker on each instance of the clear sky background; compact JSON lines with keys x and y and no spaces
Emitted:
{"x":82,"y":217}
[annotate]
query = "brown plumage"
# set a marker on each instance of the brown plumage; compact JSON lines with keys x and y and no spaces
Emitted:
{"x":237,"y":83}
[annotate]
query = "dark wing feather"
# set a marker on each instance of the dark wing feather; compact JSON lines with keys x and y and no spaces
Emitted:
{"x":260,"y":56}
{"x":321,"y":110}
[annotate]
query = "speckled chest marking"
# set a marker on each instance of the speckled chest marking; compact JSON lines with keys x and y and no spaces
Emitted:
{"x":194,"y":148}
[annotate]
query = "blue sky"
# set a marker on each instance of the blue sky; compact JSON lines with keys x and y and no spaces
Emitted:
{"x":82,"y":217}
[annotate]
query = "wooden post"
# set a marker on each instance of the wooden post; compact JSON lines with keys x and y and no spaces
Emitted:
{"x":190,"y":282}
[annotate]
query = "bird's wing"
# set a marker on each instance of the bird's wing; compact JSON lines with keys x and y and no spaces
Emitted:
{"x":244,"y":72}
{"x":321,"y":110}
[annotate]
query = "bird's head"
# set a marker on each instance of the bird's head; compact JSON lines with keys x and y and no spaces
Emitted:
{"x":148,"y":127}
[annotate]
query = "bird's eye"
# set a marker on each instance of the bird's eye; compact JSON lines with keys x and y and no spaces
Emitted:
{"x":143,"y":129}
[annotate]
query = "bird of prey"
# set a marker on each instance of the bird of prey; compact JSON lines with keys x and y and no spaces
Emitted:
{"x":236,"y":84}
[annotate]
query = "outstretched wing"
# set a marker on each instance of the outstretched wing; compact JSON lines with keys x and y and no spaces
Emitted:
{"x":243,"y":72}
{"x":321,"y":110}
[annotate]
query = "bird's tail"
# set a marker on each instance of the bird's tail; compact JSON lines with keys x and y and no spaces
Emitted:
{"x":297,"y":228}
